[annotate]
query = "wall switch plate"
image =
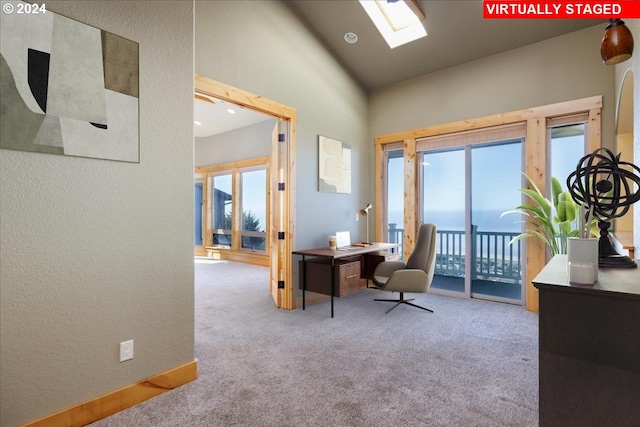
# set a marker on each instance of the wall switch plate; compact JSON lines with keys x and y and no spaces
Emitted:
{"x":126,"y":350}
{"x":357,"y":217}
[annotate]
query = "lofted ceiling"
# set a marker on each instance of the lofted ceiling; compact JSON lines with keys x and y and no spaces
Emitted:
{"x":457,"y":33}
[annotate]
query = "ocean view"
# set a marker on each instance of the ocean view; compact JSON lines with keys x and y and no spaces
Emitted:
{"x":488,"y":220}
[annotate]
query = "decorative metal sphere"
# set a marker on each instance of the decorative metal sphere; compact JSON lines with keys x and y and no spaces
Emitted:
{"x":605,"y":183}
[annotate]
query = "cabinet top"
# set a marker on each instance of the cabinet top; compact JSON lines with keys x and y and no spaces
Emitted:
{"x":613,"y":281}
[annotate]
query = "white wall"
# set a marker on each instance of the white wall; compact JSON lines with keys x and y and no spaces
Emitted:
{"x":245,"y":143}
{"x":261,"y":47}
{"x":96,"y":252}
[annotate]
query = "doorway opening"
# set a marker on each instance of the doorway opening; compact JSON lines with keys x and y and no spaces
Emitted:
{"x":279,"y":171}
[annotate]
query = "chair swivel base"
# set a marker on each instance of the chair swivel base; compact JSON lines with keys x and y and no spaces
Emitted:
{"x":403,"y":301}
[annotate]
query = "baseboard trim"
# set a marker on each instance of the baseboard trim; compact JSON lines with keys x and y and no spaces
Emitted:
{"x":118,"y":400}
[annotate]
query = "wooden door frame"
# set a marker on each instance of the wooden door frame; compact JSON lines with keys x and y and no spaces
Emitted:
{"x":222,"y":91}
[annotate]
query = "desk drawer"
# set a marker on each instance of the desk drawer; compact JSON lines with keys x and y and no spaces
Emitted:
{"x":346,"y":275}
{"x":349,"y":278}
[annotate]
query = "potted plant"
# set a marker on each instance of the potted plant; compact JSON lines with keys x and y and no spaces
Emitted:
{"x":552,"y":221}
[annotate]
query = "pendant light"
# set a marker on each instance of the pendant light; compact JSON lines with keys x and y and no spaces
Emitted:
{"x":617,"y":43}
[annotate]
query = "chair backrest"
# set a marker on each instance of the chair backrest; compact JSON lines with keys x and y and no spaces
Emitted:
{"x":423,"y":256}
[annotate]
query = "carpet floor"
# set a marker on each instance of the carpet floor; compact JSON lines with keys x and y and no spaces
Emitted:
{"x":470,"y":363}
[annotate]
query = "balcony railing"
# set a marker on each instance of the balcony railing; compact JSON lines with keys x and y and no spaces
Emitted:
{"x":493,"y":257}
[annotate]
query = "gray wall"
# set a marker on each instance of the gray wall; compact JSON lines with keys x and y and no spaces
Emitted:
{"x":555,"y":70}
{"x":261,"y":47}
{"x":245,"y":143}
{"x":96,"y":252}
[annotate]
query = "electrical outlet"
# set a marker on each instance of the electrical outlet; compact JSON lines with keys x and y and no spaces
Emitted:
{"x":126,"y":350}
{"x":357,"y":217}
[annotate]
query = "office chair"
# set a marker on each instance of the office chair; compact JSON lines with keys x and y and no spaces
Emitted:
{"x":415,"y":276}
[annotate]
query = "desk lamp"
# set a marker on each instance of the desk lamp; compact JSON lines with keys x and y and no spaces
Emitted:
{"x":365,"y":212}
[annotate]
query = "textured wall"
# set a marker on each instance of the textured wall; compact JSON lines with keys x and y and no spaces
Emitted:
{"x":96,"y":252}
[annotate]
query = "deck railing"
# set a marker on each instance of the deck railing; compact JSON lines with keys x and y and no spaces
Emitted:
{"x":494,"y":258}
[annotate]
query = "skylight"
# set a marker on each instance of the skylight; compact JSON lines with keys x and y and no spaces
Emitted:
{"x":399,"y":22}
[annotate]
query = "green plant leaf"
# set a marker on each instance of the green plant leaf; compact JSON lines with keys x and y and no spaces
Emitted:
{"x":561,"y":209}
{"x":556,"y":190}
{"x":551,"y":221}
{"x":545,"y":204}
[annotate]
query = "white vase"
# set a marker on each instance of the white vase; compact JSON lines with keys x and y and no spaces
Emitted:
{"x":582,"y":253}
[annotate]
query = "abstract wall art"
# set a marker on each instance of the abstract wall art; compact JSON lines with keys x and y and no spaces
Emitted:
{"x":67,"y":88}
{"x":334,"y":166}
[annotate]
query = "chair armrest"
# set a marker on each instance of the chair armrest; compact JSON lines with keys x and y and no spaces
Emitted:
{"x":384,"y":270}
{"x":387,"y":268}
{"x":408,"y":280}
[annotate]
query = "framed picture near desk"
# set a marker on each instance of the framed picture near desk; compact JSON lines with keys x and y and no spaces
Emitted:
{"x":334,"y":166}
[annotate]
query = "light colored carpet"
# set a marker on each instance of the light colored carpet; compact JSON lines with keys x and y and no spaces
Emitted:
{"x":471,"y":363}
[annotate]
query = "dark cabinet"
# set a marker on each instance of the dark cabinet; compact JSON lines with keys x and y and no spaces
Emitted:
{"x":346,"y":276}
{"x":589,"y":348}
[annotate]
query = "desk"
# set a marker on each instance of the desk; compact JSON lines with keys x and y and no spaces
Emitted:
{"x":589,"y":366}
{"x":332,"y":255}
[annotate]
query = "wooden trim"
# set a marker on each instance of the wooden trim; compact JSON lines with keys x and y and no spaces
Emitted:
{"x":288,"y":293}
{"x":594,"y":138}
{"x":207,"y":86}
{"x":380,"y":194}
{"x":118,"y":400}
{"x":536,"y":168}
{"x":239,"y":256}
{"x":210,"y":87}
{"x":240,"y":164}
{"x":410,"y":195}
{"x":561,"y":108}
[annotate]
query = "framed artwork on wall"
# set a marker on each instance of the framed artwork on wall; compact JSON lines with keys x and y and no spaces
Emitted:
{"x":334,"y":166}
{"x":66,"y":87}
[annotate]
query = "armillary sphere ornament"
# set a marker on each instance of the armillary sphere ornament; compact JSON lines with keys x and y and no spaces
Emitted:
{"x":605,"y":185}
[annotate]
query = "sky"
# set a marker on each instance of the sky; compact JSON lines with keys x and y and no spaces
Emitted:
{"x":495,"y":179}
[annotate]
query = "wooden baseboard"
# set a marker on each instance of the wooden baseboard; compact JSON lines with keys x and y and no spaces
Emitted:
{"x":118,"y":400}
{"x":247,"y":257}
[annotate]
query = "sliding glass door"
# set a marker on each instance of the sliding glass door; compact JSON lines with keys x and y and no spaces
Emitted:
{"x":444,"y":204}
{"x":495,"y":177}
{"x":465,"y":190}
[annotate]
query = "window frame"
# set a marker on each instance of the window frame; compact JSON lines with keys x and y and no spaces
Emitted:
{"x":235,"y":169}
{"x":535,"y":152}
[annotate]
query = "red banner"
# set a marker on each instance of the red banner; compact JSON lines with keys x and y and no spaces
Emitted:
{"x":515,"y":9}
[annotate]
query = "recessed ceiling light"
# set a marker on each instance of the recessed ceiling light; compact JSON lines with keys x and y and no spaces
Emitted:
{"x":231,"y":111}
{"x":351,"y":38}
{"x":197,"y":123}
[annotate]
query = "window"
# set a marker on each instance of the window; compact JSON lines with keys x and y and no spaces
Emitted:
{"x":394,"y":195}
{"x":567,"y":146}
{"x":254,"y":209}
{"x":553,"y":138}
{"x":236,"y":207}
{"x":221,"y":209}
{"x":399,"y":22}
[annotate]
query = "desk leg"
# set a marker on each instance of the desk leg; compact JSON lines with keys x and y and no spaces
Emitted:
{"x":333,"y":282}
{"x":304,"y":280}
